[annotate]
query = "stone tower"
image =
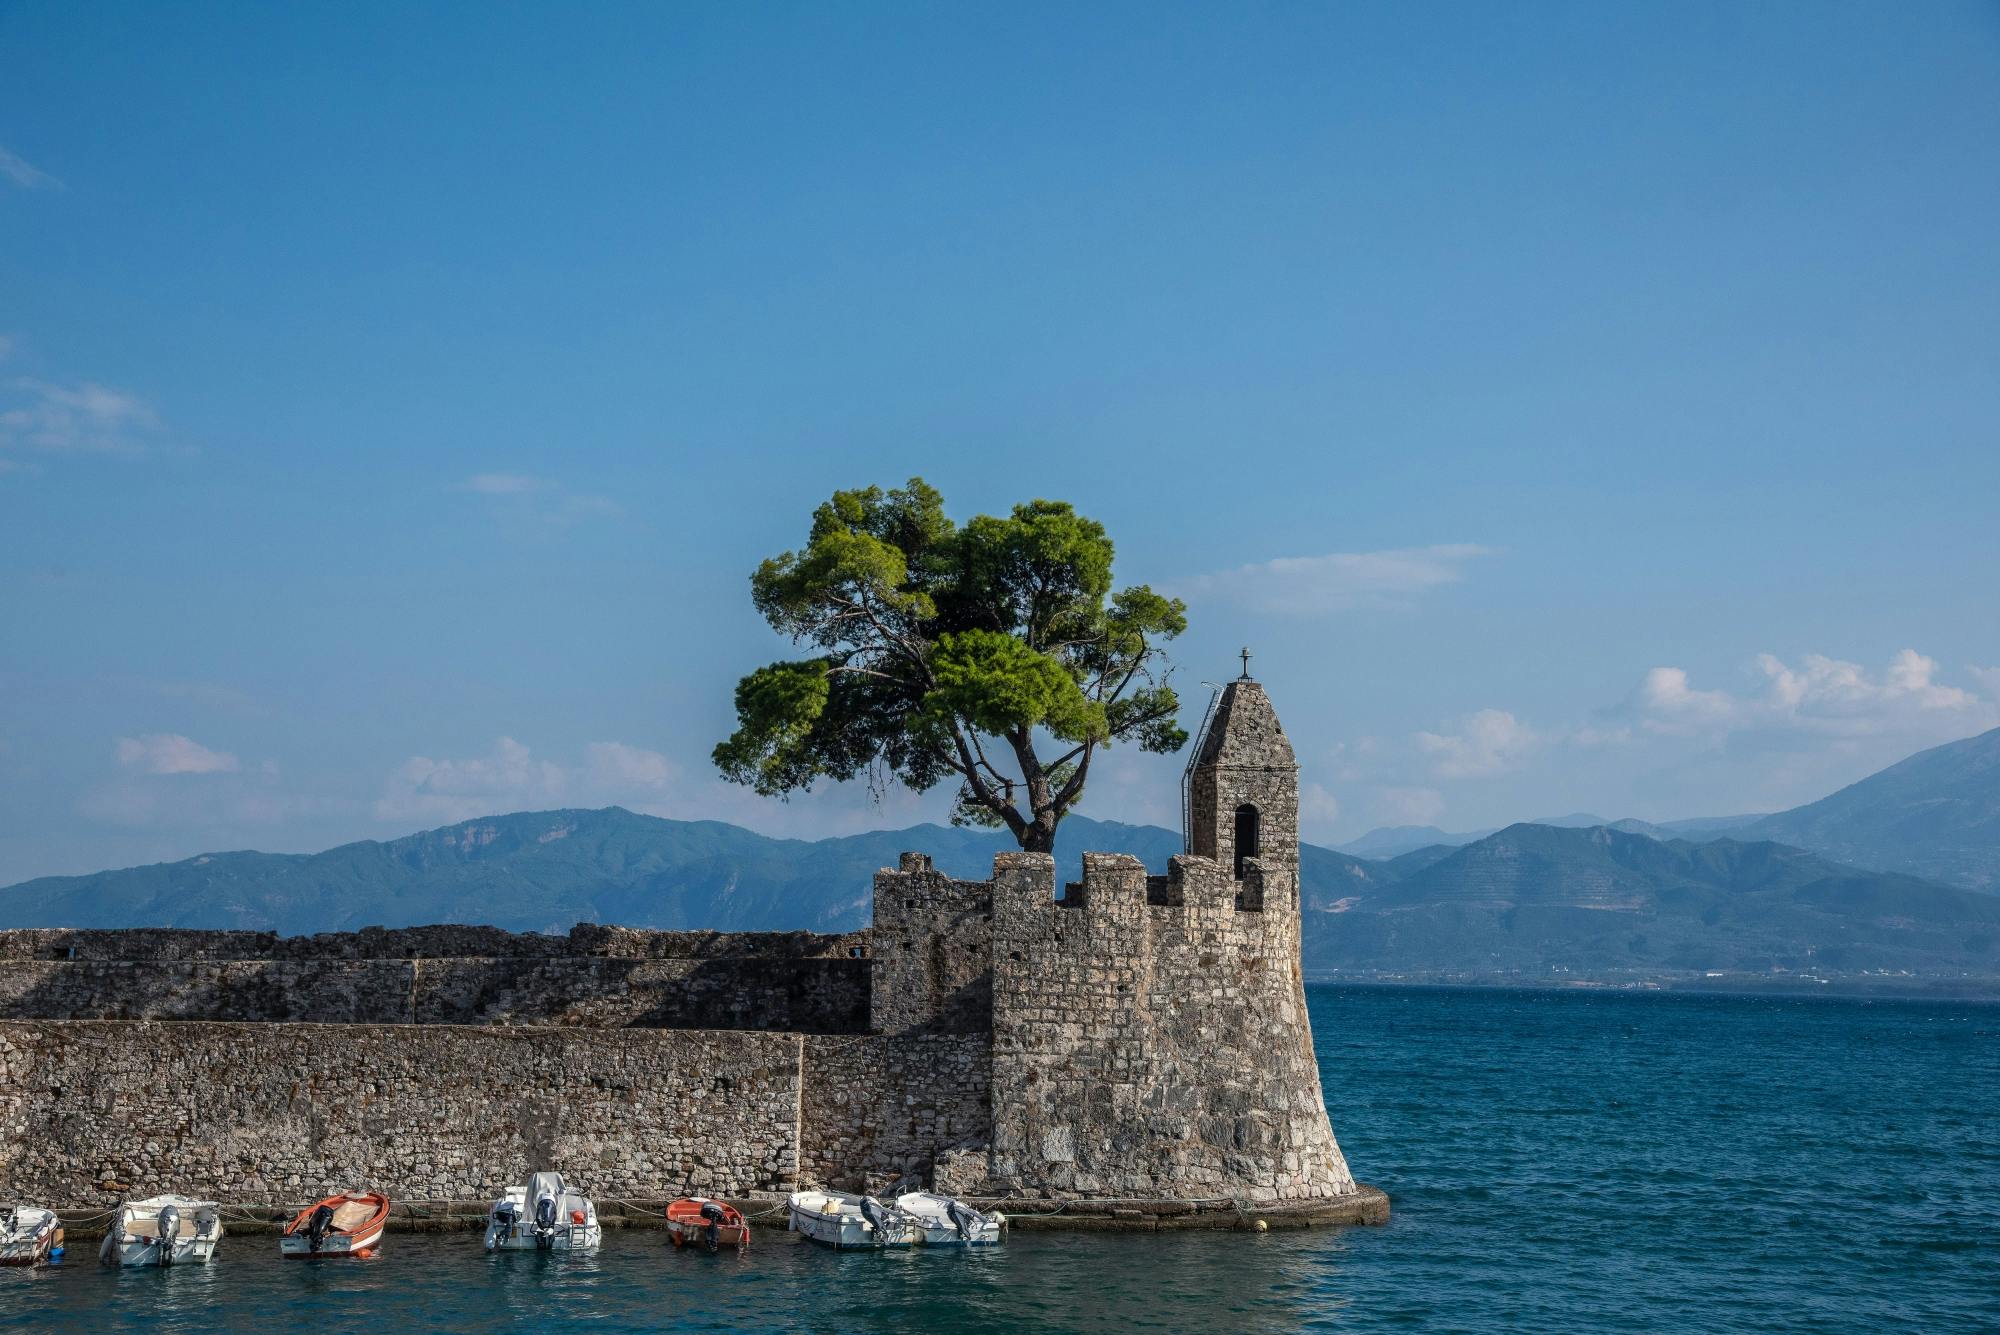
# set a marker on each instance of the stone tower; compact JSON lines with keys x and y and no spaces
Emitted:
{"x":1243,"y":797}
{"x":1150,"y":1035}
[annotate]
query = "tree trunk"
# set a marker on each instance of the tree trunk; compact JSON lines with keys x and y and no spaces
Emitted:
{"x":1040,"y":835}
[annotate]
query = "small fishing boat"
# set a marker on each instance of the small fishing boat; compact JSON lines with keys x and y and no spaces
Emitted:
{"x":163,"y":1230}
{"x":30,"y":1235}
{"x":543,"y":1215}
{"x":697,"y":1221}
{"x":840,"y":1220}
{"x":349,"y":1224}
{"x":945,"y":1221}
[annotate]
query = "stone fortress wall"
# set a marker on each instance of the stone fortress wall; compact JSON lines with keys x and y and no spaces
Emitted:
{"x":1140,"y":1038}
{"x":596,"y":977}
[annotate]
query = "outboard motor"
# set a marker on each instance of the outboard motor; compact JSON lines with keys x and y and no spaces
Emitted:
{"x":504,"y":1219}
{"x":545,"y":1222}
{"x":964,"y":1218}
{"x":318,"y":1227}
{"x":872,"y":1211}
{"x":712,"y":1213}
{"x":170,"y":1228}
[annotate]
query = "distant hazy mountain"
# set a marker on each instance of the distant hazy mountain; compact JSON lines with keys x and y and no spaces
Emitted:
{"x":1393,"y":840}
{"x":1598,"y":901}
{"x":1389,"y":842}
{"x":546,"y":870}
{"x":1936,"y":814}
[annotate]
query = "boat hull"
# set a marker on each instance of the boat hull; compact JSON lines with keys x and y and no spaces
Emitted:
{"x":147,"y":1251}
{"x":563,"y":1238}
{"x":945,"y":1235}
{"x":358,"y":1246}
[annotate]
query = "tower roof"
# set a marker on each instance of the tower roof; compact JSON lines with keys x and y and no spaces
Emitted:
{"x":1245,"y":732}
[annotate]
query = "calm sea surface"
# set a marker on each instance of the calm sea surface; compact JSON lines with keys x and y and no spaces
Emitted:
{"x":1558,"y":1161}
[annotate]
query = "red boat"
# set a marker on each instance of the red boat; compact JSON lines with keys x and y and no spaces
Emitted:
{"x":349,"y":1224}
{"x":697,"y":1221}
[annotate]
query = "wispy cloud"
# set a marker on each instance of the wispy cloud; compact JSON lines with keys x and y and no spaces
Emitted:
{"x":1489,"y":742}
{"x":509,"y":776}
{"x":171,"y":753}
{"x":84,"y":417}
{"x":506,"y":484}
{"x":25,"y":174}
{"x":1338,"y":581}
{"x":534,"y":504}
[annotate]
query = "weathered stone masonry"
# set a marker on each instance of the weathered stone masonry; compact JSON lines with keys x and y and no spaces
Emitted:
{"x":1139,"y":1038}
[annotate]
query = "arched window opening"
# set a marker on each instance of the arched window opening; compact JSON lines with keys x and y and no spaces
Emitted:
{"x":1247,"y":834}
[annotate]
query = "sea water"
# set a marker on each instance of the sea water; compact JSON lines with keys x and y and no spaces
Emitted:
{"x":1559,"y":1161}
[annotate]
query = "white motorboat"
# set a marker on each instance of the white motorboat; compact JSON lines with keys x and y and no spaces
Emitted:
{"x":29,"y":1235}
{"x":840,"y":1220}
{"x":163,"y":1230}
{"x":544,"y":1215}
{"x":945,"y":1221}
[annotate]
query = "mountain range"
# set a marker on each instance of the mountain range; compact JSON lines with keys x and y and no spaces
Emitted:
{"x":1892,"y":874}
{"x":1600,"y":902}
{"x":1935,"y":815}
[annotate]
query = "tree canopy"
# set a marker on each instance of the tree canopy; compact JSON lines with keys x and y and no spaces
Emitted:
{"x":995,"y":653}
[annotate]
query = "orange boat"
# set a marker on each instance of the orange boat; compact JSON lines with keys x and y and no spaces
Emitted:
{"x":349,"y":1224}
{"x":697,"y":1221}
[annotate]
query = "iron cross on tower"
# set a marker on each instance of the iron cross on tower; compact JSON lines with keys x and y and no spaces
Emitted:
{"x":1245,"y":651}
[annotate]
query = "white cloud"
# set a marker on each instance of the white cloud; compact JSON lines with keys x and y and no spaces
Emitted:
{"x":171,"y":753}
{"x":507,"y":778}
{"x":84,"y":417}
{"x":1489,"y":742}
{"x":616,"y":764}
{"x":1666,"y":703}
{"x":1822,"y":695}
{"x":1409,"y":806}
{"x":25,"y":174}
{"x":1318,"y":809}
{"x":1316,"y":585}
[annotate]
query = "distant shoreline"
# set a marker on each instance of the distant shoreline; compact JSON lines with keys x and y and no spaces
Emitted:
{"x":1985,"y":990}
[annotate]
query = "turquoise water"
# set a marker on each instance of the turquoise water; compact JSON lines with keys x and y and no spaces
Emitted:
{"x":1559,"y":1161}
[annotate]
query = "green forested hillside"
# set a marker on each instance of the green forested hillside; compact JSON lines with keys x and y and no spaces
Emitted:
{"x":1593,"y":901}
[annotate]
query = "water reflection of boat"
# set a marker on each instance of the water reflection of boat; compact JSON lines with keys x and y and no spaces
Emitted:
{"x":163,"y":1230}
{"x":348,"y":1224}
{"x":29,"y":1235}
{"x":697,"y":1221}
{"x":543,"y":1215}
{"x":946,"y":1221}
{"x":837,"y":1219}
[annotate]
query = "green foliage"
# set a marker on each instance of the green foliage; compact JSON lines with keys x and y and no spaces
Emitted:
{"x":954,"y":651}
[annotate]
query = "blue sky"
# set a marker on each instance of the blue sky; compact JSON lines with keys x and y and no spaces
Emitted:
{"x":1576,"y":407}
